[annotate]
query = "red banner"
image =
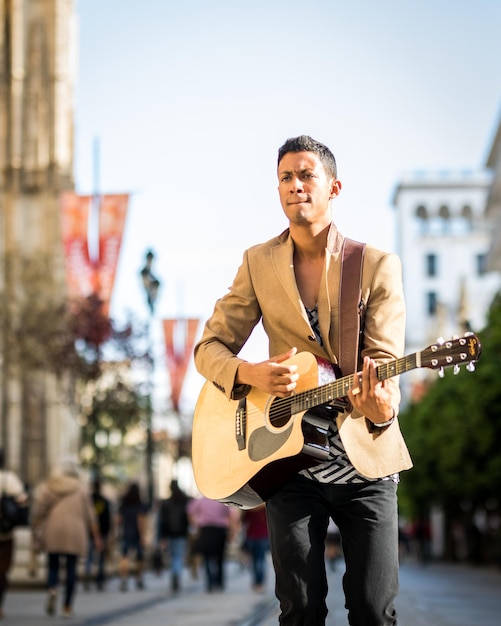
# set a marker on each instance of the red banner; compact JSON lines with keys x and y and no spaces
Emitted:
{"x":179,"y":341}
{"x":75,"y":224}
{"x":112,"y":214}
{"x":87,"y":275}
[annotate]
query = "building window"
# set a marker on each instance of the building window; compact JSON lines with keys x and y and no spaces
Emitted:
{"x":467,"y":212}
{"x":444,"y":212}
{"x":431,"y":265}
{"x":421,"y":212}
{"x":444,"y":223}
{"x":422,"y":219}
{"x":462,"y":224}
{"x":432,"y":302}
{"x":481,"y":264}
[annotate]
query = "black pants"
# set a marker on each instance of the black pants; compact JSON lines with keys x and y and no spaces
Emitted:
{"x":366,"y":514}
{"x":70,"y":578}
{"x":212,"y":546}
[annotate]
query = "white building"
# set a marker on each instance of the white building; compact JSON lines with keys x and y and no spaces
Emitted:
{"x":493,"y":209}
{"x":443,"y":236}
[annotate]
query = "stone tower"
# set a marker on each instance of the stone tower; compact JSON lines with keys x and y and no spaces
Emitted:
{"x":37,"y":72}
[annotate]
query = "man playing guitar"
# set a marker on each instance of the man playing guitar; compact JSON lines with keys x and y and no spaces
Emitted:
{"x":292,"y":285}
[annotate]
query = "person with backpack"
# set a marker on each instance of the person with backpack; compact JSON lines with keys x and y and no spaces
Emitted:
{"x":172,"y":531}
{"x":10,"y":486}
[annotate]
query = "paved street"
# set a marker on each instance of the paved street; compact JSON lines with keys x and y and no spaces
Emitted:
{"x":153,"y":606}
{"x":432,"y":595}
{"x":449,"y":595}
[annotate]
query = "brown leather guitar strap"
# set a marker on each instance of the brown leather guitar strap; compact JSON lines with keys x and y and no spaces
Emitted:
{"x":351,"y":307}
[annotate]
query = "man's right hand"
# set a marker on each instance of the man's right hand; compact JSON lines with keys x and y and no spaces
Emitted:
{"x":274,"y":376}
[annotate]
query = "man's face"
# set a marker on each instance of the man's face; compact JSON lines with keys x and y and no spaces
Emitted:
{"x":305,"y":188}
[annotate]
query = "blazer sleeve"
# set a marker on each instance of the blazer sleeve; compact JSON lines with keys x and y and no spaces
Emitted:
{"x":383,"y":337}
{"x":225,"y":333}
{"x":383,"y":452}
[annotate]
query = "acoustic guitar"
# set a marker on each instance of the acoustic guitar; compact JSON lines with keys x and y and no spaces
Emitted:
{"x":244,"y":450}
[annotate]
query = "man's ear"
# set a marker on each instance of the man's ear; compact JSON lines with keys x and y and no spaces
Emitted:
{"x":335,"y":188}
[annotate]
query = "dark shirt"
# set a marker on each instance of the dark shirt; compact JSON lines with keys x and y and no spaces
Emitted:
{"x":172,"y":518}
{"x":129,"y":514}
{"x":102,"y":508}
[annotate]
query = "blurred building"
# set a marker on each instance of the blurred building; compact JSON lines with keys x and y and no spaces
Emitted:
{"x":37,"y":72}
{"x":493,"y":208}
{"x":445,"y":223}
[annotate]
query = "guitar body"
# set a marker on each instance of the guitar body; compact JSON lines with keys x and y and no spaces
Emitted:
{"x":272,"y":447}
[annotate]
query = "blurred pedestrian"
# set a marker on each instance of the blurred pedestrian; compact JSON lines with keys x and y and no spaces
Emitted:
{"x":216,"y":525}
{"x":131,"y":524}
{"x":62,"y":519}
{"x":172,"y":531}
{"x":10,"y":485}
{"x":422,"y":535}
{"x":332,"y":544}
{"x":103,"y":517}
{"x":256,"y":544}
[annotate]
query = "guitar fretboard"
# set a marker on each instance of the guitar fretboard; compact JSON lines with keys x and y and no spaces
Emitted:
{"x":336,"y":389}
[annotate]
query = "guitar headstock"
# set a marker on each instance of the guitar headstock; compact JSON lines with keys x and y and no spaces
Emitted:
{"x":456,"y":351}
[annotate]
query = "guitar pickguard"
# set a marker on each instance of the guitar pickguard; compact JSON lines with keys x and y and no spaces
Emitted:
{"x":315,"y":425}
{"x":262,"y":443}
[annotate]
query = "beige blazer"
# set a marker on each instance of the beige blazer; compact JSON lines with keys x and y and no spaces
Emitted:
{"x":265,"y":290}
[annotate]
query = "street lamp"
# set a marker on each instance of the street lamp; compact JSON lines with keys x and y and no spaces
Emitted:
{"x":151,"y":285}
{"x":150,"y":282}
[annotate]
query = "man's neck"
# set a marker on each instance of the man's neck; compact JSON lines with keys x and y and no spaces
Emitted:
{"x":309,"y":242}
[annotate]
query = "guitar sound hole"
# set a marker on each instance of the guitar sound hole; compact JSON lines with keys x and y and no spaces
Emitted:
{"x":279,"y":413}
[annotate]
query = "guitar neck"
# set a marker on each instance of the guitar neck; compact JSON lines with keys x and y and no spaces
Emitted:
{"x":339,"y":388}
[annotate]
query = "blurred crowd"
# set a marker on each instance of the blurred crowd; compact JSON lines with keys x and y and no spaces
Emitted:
{"x":84,"y":531}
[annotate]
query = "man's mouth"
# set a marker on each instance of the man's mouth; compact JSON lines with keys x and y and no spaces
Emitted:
{"x":298,"y":200}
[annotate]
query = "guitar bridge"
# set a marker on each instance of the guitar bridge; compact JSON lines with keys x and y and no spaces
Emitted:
{"x":241,"y":423}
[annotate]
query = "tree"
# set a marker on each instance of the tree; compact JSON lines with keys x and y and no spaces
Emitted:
{"x":453,"y":435}
{"x":110,"y":399}
{"x":45,"y":332}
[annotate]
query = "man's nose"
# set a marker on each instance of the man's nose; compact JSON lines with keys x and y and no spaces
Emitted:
{"x":296,"y":184}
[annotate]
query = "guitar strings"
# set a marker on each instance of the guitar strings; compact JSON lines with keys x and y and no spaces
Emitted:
{"x":283,"y":408}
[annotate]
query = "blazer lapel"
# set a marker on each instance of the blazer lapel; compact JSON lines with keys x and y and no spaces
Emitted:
{"x":282,"y":260}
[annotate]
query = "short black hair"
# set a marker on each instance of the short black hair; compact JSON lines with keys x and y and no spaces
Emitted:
{"x":304,"y":143}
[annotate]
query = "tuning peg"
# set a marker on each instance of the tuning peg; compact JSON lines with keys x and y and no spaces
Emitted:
{"x":457,"y":369}
{"x":441,"y":372}
{"x":471,"y":366}
{"x":440,"y":341}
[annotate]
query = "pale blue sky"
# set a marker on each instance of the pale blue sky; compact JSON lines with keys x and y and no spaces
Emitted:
{"x":190,"y":101}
